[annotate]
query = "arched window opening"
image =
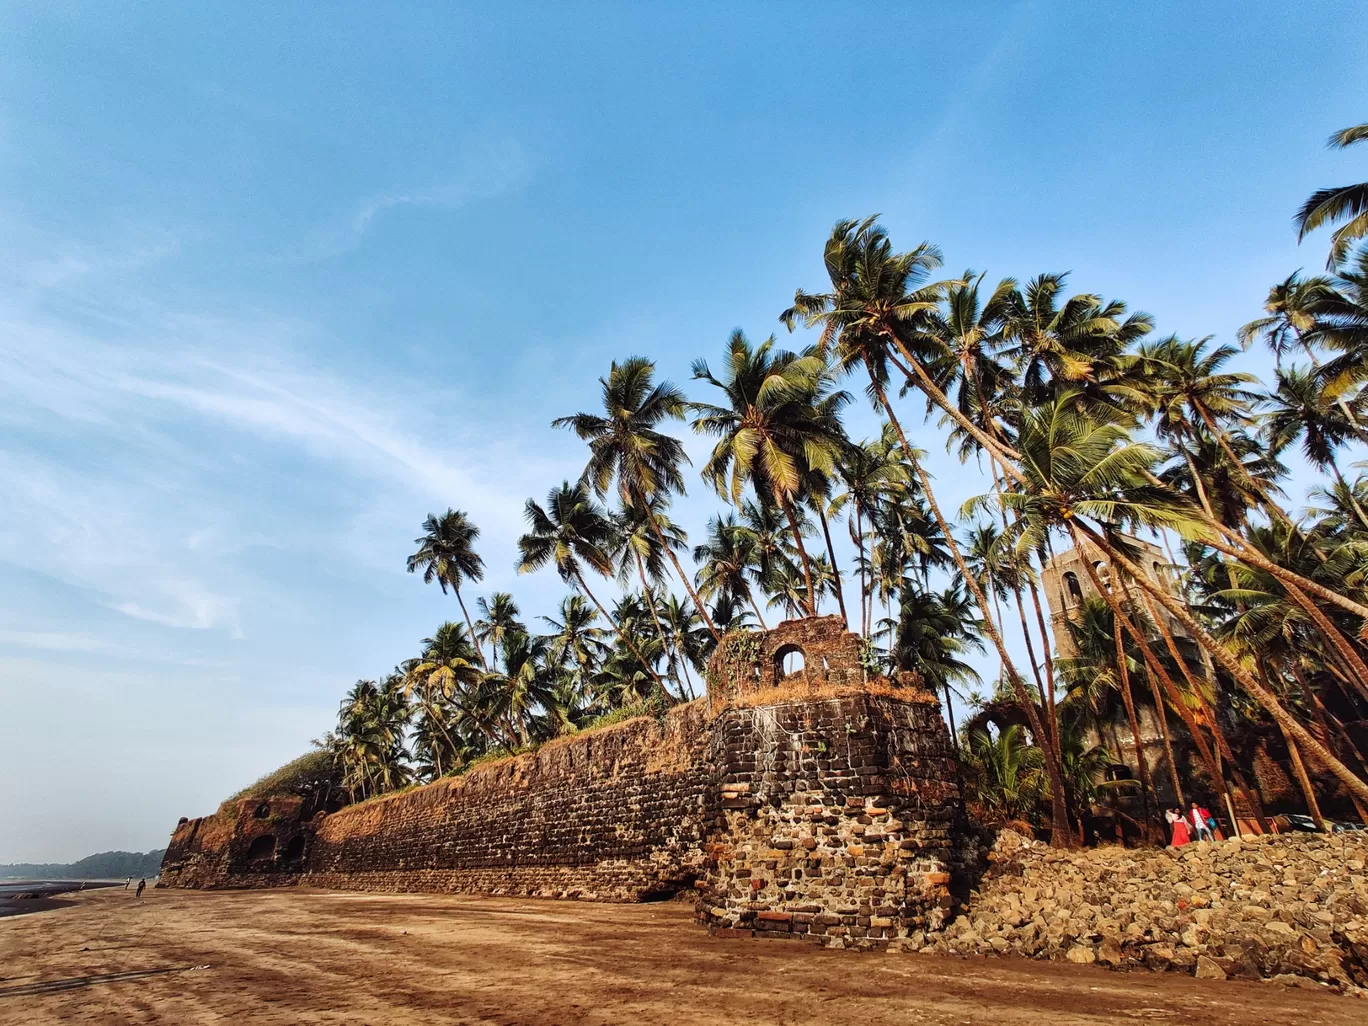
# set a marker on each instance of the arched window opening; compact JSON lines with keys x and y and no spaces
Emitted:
{"x":261,"y":848}
{"x":789,"y":659}
{"x":263,"y":810}
{"x":1103,"y":573}
{"x":294,"y":850}
{"x":1071,"y":585}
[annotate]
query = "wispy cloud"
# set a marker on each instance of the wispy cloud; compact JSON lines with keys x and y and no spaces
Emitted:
{"x":485,"y":171}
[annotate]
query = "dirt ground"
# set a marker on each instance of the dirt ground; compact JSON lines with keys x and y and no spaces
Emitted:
{"x":298,"y":956}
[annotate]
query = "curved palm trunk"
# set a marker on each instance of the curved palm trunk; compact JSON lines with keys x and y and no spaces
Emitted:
{"x":470,"y":626}
{"x":750,"y":596}
{"x":665,"y":645}
{"x":626,"y":638}
{"x":1237,"y":547}
{"x":787,"y":506}
{"x":1062,"y":829}
{"x":1204,"y":749}
{"x":864,"y":569}
{"x":1232,"y":666}
{"x":1007,"y":456}
{"x":835,"y":567}
{"x":688,"y":585}
{"x":1304,"y":781}
{"x":1127,"y":698}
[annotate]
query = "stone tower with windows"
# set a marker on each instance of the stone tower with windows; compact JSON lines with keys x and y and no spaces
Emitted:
{"x":1067,"y":582}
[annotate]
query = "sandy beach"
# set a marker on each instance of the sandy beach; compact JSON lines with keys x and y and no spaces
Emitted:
{"x":298,"y":956}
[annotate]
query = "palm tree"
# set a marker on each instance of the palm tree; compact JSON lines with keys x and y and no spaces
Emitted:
{"x":372,"y":721}
{"x":932,"y":634}
{"x":446,"y":553}
{"x":513,"y":696}
{"x":873,"y":475}
{"x":446,"y":671}
{"x":1081,"y":471}
{"x":780,"y":424}
{"x":498,"y":619}
{"x":574,"y":640}
{"x":1326,"y":206}
{"x":726,"y":562}
{"x":1004,"y":777}
{"x":875,"y":304}
{"x":625,"y":445}
{"x":1300,"y":410}
{"x":641,"y":531}
{"x":571,"y":531}
{"x":689,"y":640}
{"x":1074,"y":344}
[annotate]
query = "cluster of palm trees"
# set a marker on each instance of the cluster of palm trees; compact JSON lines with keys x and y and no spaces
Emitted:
{"x":1088,"y":431}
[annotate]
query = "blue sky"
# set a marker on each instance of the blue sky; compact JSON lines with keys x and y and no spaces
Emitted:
{"x":278,"y":280}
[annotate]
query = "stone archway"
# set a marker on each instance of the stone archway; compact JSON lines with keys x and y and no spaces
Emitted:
{"x":789,"y":659}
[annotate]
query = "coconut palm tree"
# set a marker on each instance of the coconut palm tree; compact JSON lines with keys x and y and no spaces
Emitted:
{"x":878,"y":301}
{"x":780,"y":424}
{"x":1326,"y":206}
{"x":570,"y":532}
{"x":1299,"y":410}
{"x":1089,"y":479}
{"x":933,"y":632}
{"x":574,"y":641}
{"x":498,"y":619}
{"x":626,"y":446}
{"x":372,"y":722}
{"x":523,"y":688}
{"x":446,"y":553}
{"x":726,"y":563}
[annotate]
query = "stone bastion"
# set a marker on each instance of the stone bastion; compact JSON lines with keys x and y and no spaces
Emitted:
{"x":815,"y":801}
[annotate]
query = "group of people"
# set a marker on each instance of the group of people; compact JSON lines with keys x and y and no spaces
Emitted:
{"x":1196,"y":824}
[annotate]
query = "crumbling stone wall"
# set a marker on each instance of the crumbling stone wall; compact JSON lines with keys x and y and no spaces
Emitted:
{"x":827,"y":811}
{"x":263,"y":839}
{"x":841,"y":821}
{"x":749,"y":662}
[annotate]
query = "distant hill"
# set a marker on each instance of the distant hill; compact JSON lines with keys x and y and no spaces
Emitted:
{"x":107,"y":865}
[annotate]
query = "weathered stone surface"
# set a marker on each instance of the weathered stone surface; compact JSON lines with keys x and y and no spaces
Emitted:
{"x":836,"y":802}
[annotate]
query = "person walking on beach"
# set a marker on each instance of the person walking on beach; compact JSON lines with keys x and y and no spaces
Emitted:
{"x":1200,"y":818}
{"x":141,"y":884}
{"x":128,"y":883}
{"x":1179,"y":824}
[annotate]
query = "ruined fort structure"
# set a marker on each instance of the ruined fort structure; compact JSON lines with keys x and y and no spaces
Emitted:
{"x":803,"y":797}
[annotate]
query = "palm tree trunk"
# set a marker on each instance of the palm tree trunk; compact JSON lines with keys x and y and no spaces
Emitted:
{"x":1127,"y":698}
{"x":950,"y":713}
{"x":750,"y":595}
{"x":1349,"y":494}
{"x":864,"y":569}
{"x":835,"y":567}
{"x":787,"y":506}
{"x":1007,"y":456}
{"x":1304,"y":781}
{"x":688,"y":586}
{"x":1232,"y":666}
{"x":1062,"y":828}
{"x":470,"y":625}
{"x":665,"y":645}
{"x":626,"y":638}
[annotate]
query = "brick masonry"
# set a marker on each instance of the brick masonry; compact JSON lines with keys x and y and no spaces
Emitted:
{"x":819,"y":806}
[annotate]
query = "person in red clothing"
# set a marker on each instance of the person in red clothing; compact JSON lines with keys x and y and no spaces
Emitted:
{"x":1180,"y":828}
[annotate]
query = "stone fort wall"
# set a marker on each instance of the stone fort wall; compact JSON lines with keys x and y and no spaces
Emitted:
{"x":820,"y":806}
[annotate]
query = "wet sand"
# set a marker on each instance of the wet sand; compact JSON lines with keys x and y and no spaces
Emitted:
{"x":297,"y":956}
